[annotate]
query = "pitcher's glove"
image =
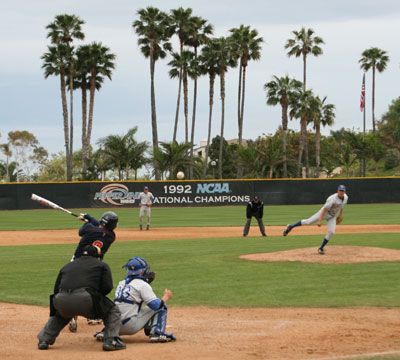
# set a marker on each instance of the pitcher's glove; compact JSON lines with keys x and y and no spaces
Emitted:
{"x":339,"y":219}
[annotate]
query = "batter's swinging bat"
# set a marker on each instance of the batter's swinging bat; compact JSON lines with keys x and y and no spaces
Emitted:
{"x":48,"y":203}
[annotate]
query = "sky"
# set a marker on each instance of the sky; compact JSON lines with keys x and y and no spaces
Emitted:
{"x":30,"y":102}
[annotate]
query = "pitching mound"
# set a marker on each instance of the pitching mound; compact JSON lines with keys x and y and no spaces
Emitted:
{"x":335,"y":254}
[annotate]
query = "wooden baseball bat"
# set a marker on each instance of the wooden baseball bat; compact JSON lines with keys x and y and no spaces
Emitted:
{"x":48,"y":203}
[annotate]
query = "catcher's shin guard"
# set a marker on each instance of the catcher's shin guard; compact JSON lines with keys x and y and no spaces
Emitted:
{"x":155,"y":328}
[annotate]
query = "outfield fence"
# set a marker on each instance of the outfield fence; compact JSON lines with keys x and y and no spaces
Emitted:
{"x":16,"y":196}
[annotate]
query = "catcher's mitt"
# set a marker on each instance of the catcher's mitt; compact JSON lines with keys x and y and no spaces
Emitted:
{"x":339,"y":219}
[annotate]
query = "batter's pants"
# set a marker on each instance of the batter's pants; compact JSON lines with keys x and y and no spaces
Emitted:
{"x":247,"y":226}
{"x":330,"y":223}
{"x":74,"y":303}
{"x":144,"y":210}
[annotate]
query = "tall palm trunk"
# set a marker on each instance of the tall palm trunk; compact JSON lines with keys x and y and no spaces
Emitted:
{"x":284,"y":135}
{"x":211,"y":102}
{"x":178,"y":101}
{"x":85,"y":149}
{"x":71,"y":116}
{"x":193,"y":128}
{"x":66,"y":127}
{"x":304,"y":71}
{"x":92,"y":92}
{"x":317,"y":147}
{"x":303,"y":129}
{"x":242,"y":73}
{"x":373,"y":98}
{"x":221,"y":144}
{"x":186,"y":104}
{"x":242,"y":105}
{"x":153,"y":114}
{"x":239,"y":97}
{"x":306,"y":152}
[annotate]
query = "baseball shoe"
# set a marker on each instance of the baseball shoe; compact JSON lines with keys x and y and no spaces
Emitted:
{"x":99,"y":336}
{"x":244,"y":235}
{"x":43,"y":345}
{"x":287,"y":230}
{"x":112,"y":344}
{"x":156,"y":338}
{"x":264,"y":234}
{"x":140,"y":227}
{"x":321,"y":251}
{"x":148,"y":227}
{"x":94,"y":321}
{"x":73,"y":324}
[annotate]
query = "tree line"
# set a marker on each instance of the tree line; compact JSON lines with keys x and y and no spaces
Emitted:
{"x":200,"y":53}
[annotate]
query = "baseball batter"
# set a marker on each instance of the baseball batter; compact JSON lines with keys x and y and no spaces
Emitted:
{"x":332,"y":212}
{"x":146,"y":199}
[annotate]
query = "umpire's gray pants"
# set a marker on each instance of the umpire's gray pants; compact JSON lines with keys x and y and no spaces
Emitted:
{"x":74,"y":303}
{"x":247,"y":226}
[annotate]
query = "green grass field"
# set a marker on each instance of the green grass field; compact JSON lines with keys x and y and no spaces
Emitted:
{"x":209,"y":271}
{"x":210,"y":216}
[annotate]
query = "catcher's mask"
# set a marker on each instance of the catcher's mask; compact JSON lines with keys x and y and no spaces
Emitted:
{"x":137,"y":267}
{"x":109,"y":220}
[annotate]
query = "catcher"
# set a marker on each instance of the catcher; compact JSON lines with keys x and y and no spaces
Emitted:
{"x":146,"y":199}
{"x":332,"y":212}
{"x":139,"y":306}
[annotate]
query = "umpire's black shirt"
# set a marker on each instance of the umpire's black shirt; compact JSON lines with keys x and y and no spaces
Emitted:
{"x":93,"y":234}
{"x":255,"y":208}
{"x":85,"y":272}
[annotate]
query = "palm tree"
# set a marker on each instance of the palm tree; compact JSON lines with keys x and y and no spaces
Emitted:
{"x":99,"y":63}
{"x":153,"y":30}
{"x":376,"y":59}
{"x":302,"y":107}
{"x":197,"y":36}
{"x":324,"y":115}
{"x":62,"y":31}
{"x":222,"y":48}
{"x":180,"y":65}
{"x":122,"y":151}
{"x":209,"y":66}
{"x":180,"y":24}
{"x":247,"y":46}
{"x":55,"y":63}
{"x":304,"y":43}
{"x":172,"y":157}
{"x":282,"y":91}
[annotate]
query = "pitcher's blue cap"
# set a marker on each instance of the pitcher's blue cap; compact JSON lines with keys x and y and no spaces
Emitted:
{"x":341,"y":188}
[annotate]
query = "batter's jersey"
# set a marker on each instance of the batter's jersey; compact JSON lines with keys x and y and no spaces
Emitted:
{"x":146,"y":198}
{"x":334,"y":204}
{"x":130,"y":297}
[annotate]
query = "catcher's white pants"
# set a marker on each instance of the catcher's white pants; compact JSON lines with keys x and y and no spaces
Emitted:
{"x":330,"y":223}
{"x":145,"y":210}
{"x":137,"y":322}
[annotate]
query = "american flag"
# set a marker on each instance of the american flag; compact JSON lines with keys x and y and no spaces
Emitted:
{"x":362,"y":97}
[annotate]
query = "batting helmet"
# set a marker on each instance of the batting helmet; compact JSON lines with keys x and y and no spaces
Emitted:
{"x":137,"y":267}
{"x":109,"y":220}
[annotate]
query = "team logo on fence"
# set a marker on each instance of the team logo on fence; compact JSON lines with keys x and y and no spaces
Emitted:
{"x":116,"y":194}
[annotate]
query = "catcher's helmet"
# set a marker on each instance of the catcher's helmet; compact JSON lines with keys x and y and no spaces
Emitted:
{"x":137,"y":267}
{"x":109,"y":220}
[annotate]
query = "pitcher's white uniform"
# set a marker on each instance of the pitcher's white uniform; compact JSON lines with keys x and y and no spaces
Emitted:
{"x":145,"y":201}
{"x":334,"y":205}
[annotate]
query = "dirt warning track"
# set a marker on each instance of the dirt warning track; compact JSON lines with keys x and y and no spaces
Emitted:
{"x":176,"y":233}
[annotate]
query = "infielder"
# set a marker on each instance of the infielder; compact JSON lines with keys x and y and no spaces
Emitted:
{"x":139,"y":306}
{"x":146,"y":199}
{"x":332,"y":212}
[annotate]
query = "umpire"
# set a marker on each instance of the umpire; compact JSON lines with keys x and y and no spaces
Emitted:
{"x":80,"y":289}
{"x":255,"y":208}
